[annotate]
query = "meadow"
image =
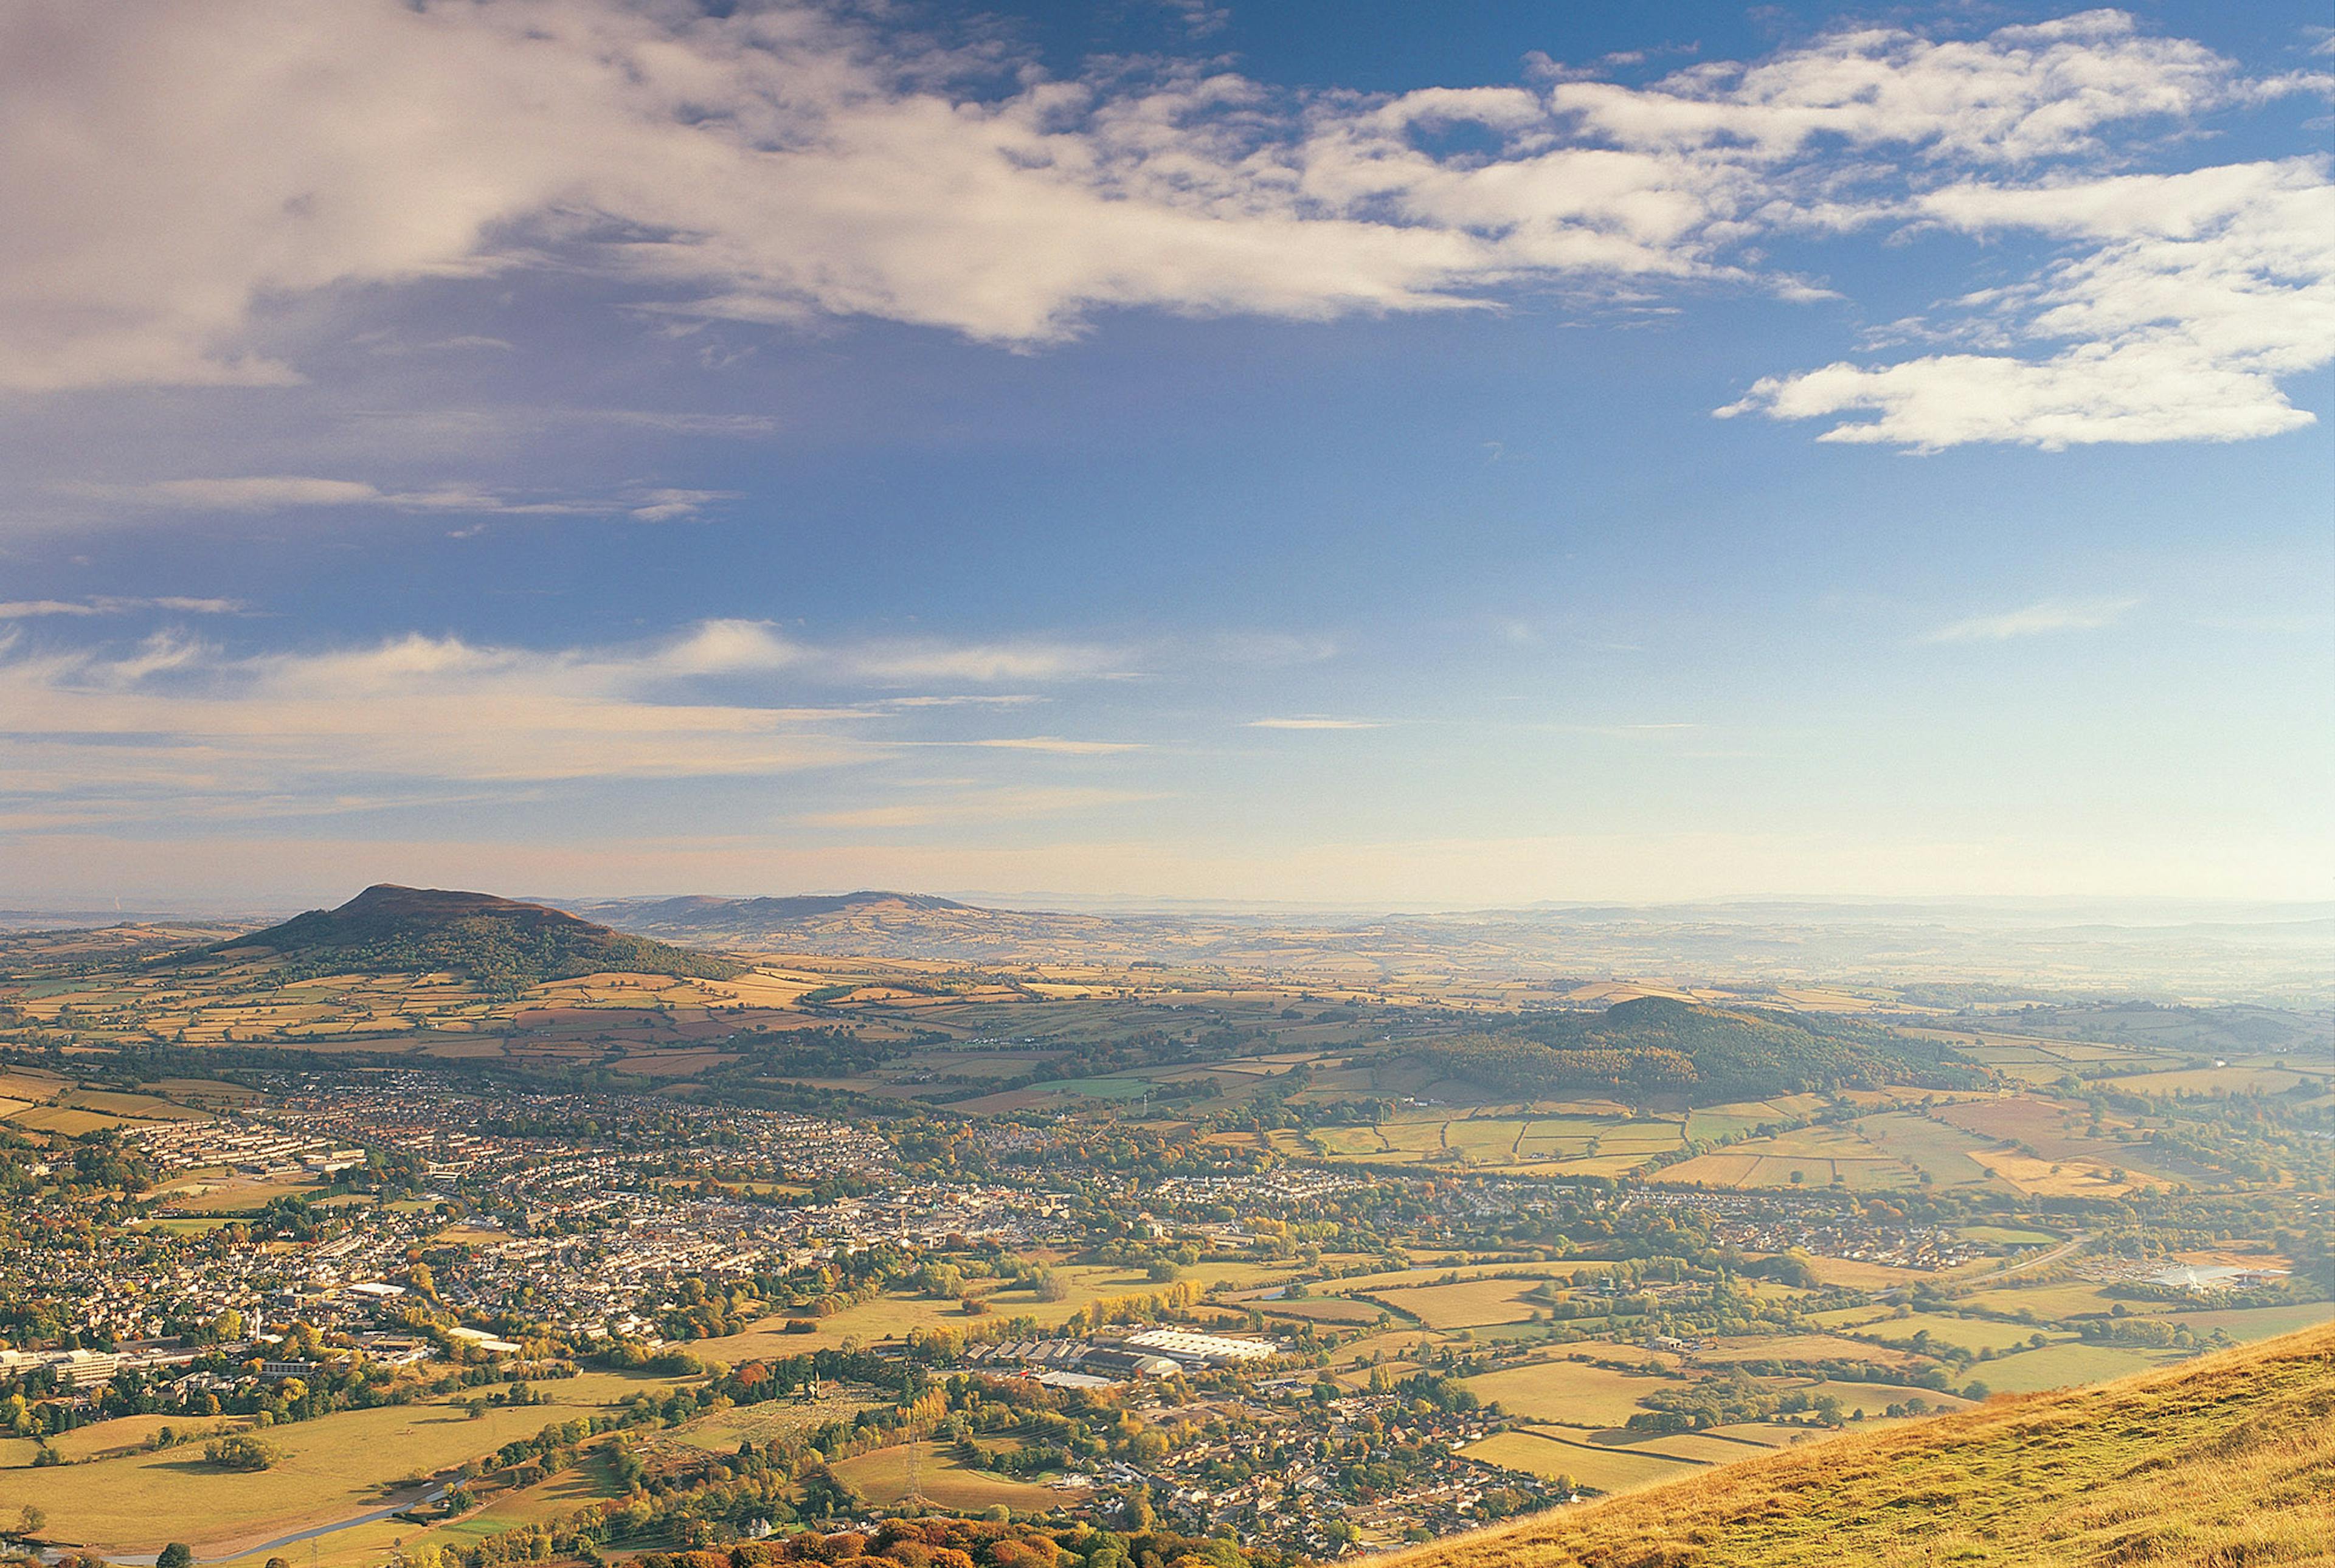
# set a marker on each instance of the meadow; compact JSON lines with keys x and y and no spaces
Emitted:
{"x":882,"y":1477}
{"x":334,"y":1467}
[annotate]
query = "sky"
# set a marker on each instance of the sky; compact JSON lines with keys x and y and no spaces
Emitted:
{"x":1361,"y":453}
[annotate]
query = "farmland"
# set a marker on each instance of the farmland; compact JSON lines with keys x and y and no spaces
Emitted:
{"x":334,"y":1467}
{"x":805,"y":1159}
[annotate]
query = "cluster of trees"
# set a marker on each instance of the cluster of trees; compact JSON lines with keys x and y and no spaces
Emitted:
{"x":1654,"y":1045}
{"x":242,"y":1451}
{"x":1718,"y":1401}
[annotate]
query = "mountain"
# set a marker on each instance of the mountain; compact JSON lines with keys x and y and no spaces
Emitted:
{"x":500,"y":944}
{"x":2221,"y":1461}
{"x":1657,"y":1045}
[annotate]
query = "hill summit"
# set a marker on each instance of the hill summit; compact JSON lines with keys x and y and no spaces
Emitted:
{"x":501,"y":943}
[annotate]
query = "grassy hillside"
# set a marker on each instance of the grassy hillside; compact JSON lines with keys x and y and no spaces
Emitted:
{"x":498,"y":943}
{"x":2225,"y":1460}
{"x":1657,"y":1045}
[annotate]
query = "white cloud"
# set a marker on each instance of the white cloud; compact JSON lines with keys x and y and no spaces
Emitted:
{"x":278,"y":492}
{"x":115,"y":605}
{"x":175,"y":717}
{"x":1057,"y":745}
{"x":728,"y":647}
{"x":2017,"y":94}
{"x":2038,"y":619}
{"x":676,"y":506}
{"x":1316,"y":724}
{"x":170,"y":186}
{"x":2183,"y":303}
{"x":983,"y":662}
{"x":251,"y":493}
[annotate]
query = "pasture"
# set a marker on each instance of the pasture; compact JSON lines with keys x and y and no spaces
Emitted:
{"x":1470,"y":1305}
{"x":337,"y":1467}
{"x":1550,"y":1455}
{"x":882,"y":1477}
{"x":1971,"y":1334}
{"x":1564,"y":1393}
{"x":2067,"y":1365}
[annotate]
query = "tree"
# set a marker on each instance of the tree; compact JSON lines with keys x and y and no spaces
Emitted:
{"x":241,"y":1451}
{"x":29,"y":1520}
{"x":177,"y":1555}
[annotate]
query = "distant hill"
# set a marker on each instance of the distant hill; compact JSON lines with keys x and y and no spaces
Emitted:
{"x":735,"y":914}
{"x":500,"y":944}
{"x":2223,"y":1460}
{"x":1655,"y":1045}
{"x":872,"y":923}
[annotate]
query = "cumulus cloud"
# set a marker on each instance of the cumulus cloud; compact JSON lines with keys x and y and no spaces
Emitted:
{"x":2183,"y":303}
{"x":2038,"y":619}
{"x":171,"y":186}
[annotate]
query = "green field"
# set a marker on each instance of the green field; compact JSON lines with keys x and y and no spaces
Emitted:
{"x":882,"y":1477}
{"x":2008,"y":1236}
{"x":1970,"y":1334}
{"x":1471,"y":1303}
{"x":2065,"y":1366}
{"x":1605,"y":1469}
{"x":338,"y":1466}
{"x":1567,"y":1393}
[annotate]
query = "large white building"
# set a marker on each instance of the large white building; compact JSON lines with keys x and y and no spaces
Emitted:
{"x":1183,"y":1345}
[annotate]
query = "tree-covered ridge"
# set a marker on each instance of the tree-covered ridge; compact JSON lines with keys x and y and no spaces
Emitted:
{"x":499,"y":944}
{"x":1654,"y":1045}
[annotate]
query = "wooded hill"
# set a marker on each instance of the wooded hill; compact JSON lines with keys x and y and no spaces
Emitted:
{"x":2226,"y":1460}
{"x":1654,"y":1045}
{"x":498,"y":943}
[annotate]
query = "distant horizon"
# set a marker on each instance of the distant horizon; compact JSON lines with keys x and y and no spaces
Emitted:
{"x":1041,"y":900}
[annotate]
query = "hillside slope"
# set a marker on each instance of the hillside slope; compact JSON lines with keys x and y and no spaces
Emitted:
{"x":500,"y":943}
{"x":2226,"y":1460}
{"x":1654,"y":1045}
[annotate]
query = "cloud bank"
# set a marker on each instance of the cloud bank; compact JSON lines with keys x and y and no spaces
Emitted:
{"x":185,"y":193}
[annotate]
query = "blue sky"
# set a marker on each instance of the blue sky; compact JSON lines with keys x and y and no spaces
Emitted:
{"x":1347,"y":453}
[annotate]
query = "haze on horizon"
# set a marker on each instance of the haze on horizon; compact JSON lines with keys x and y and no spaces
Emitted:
{"x":1281,"y":453}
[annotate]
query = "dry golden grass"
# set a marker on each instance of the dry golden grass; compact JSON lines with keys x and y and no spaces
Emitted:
{"x":2223,"y":1462}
